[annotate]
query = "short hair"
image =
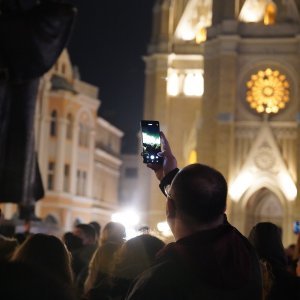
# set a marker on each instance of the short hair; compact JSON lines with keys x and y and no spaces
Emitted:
{"x":200,"y":192}
{"x":88,"y":230}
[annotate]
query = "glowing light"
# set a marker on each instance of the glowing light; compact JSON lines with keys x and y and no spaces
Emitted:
{"x":287,"y":185}
{"x":187,"y":32}
{"x":201,"y":35}
{"x":253,"y":11}
{"x":193,"y":157}
{"x":268,"y":91}
{"x":129,"y":219}
{"x":240,"y":185}
{"x":164,"y":229}
{"x":270,"y":13}
{"x":173,"y":84}
{"x":193,"y":84}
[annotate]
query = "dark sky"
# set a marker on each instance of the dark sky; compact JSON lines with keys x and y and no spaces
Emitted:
{"x":108,"y":42}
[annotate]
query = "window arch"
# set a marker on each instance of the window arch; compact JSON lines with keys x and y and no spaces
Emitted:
{"x":83,"y":135}
{"x":69,"y":126}
{"x":53,"y":123}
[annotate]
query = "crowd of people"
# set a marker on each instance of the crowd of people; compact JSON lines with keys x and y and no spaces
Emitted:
{"x":210,"y":259}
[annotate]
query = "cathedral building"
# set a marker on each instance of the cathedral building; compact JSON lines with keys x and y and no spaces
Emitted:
{"x":78,"y":152}
{"x":223,"y":79}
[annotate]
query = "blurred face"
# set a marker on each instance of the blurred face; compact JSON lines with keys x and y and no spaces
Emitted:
{"x":79,"y":233}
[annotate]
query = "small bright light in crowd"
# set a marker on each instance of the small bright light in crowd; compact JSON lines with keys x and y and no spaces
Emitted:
{"x":173,"y":84}
{"x":240,"y":185}
{"x":129,"y":219}
{"x":287,"y":185}
{"x":164,"y":229}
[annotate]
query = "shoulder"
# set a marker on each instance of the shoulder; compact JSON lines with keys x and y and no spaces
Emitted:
{"x":156,"y":283}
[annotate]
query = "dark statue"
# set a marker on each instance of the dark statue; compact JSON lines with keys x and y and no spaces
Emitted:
{"x":33,"y":34}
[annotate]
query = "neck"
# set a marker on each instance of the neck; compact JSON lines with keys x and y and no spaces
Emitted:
{"x":182,"y":229}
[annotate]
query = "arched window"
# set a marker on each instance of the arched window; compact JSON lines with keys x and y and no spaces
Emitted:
{"x":53,"y":124}
{"x":83,"y":135}
{"x":193,"y":84}
{"x":69,"y":126}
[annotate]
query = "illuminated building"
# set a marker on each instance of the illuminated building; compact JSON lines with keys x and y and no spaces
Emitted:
{"x":230,"y":98}
{"x":78,"y":152}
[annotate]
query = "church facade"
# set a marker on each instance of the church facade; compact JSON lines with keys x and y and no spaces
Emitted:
{"x":222,"y":77}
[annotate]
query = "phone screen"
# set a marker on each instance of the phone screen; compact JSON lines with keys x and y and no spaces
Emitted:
{"x":296,"y":227}
{"x":151,"y":142}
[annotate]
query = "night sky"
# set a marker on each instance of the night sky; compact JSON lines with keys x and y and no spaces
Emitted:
{"x":108,"y":42}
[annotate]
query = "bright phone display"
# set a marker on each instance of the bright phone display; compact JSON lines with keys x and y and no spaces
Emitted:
{"x":151,"y":142}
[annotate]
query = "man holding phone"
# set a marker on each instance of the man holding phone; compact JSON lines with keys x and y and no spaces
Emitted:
{"x":210,"y":258}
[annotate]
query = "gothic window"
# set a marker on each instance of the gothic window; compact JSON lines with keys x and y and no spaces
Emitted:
{"x":53,"y":123}
{"x":268,"y":91}
{"x":83,"y":135}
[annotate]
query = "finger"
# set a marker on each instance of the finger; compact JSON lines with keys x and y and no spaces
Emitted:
{"x":165,"y":143}
{"x":154,"y":167}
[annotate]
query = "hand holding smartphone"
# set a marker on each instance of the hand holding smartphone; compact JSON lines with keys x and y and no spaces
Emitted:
{"x":151,"y":142}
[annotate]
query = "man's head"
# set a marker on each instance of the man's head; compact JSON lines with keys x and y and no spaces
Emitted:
{"x":86,"y":232}
{"x":198,"y":194}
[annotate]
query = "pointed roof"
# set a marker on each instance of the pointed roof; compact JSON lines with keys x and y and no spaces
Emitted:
{"x":264,"y":166}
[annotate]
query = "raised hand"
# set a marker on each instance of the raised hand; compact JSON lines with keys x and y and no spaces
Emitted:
{"x":169,"y":162}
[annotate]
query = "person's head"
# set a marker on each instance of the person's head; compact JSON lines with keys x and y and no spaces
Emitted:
{"x":87,"y":234}
{"x":72,"y":241}
{"x":113,"y":232}
{"x":196,"y":196}
{"x":47,"y":253}
{"x":97,"y":227}
{"x":136,"y":255}
{"x":101,"y":264}
{"x":266,"y":239}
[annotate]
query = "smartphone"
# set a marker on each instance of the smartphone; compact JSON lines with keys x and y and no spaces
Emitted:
{"x":296,"y":227}
{"x":151,"y":142}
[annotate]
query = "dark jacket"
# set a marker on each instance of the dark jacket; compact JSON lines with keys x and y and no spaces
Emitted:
{"x":211,"y":264}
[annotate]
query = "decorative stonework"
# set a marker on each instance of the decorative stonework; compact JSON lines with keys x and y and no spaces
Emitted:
{"x":265,"y":159}
{"x":268,"y":91}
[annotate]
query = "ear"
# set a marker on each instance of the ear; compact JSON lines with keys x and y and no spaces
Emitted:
{"x":170,"y":208}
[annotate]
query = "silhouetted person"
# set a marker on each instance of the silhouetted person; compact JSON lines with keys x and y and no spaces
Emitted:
{"x":97,"y":228}
{"x":82,"y":256}
{"x":113,"y":232}
{"x":135,"y":256}
{"x":210,"y":259}
{"x":266,"y":239}
{"x":48,"y":253}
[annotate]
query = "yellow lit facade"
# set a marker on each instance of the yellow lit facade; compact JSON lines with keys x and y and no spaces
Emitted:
{"x":244,"y":120}
{"x":78,"y":152}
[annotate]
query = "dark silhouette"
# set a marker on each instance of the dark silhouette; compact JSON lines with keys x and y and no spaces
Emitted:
{"x":22,"y":281}
{"x":210,"y":258}
{"x":47,"y":253}
{"x":113,"y":232}
{"x":266,"y":239}
{"x":33,"y":34}
{"x":135,"y":256}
